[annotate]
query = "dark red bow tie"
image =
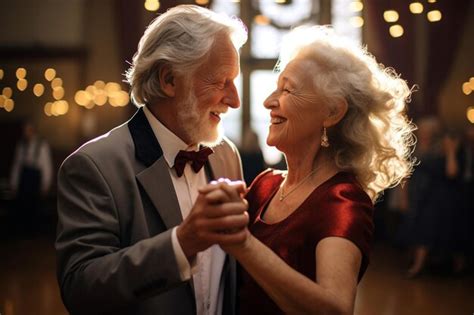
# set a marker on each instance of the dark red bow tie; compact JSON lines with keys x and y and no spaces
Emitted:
{"x":197,"y":159}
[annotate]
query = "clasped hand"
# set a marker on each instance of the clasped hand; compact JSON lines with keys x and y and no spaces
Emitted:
{"x":219,"y":216}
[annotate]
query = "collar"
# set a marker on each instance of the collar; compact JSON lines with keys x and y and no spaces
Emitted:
{"x":170,"y":143}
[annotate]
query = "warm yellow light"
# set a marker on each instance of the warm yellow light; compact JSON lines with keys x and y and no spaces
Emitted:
{"x":61,"y":107}
{"x":89,"y":105}
{"x":49,"y":74}
{"x":261,"y":19}
{"x":236,"y":1}
{"x":82,"y":98}
{"x":47,"y":109}
{"x":471,"y":83}
{"x":431,"y":1}
{"x":434,"y":15}
{"x":22,"y":84}
{"x":58,"y":93}
{"x":57,"y":82}
{"x":7,"y":92}
{"x":120,"y":98}
{"x":152,"y":5}
{"x":470,"y":114}
{"x":416,"y":7}
{"x":2,"y":100}
{"x":100,"y":98}
{"x":356,"y":6}
{"x":356,"y":21}
{"x":38,"y":89}
{"x":396,"y":30}
{"x":466,"y":88}
{"x":112,"y":87}
{"x":390,"y":16}
{"x":9,"y":105}
{"x":1,"y":74}
{"x":92,"y":90}
{"x":202,"y":2}
{"x":20,"y":73}
{"x":99,"y":84}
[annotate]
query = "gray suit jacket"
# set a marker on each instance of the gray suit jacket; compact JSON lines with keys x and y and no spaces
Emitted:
{"x":116,"y":208}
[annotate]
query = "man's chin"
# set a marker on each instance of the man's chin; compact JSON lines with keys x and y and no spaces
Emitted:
{"x":213,"y":142}
{"x":213,"y":137}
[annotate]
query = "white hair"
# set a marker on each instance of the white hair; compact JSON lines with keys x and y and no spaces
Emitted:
{"x":375,"y":138}
{"x":180,"y":38}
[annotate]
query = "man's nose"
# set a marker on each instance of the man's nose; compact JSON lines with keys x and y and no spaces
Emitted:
{"x":231,"y":98}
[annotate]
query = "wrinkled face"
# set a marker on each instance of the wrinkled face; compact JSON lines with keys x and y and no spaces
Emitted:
{"x":296,"y":110}
{"x":210,"y":93}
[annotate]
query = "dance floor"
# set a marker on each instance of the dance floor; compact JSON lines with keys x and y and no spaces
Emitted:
{"x":28,"y":284}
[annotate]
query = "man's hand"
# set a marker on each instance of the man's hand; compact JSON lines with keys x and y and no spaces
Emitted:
{"x":219,"y":216}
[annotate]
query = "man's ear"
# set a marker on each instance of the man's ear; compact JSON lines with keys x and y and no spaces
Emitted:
{"x":167,"y":78}
{"x":336,"y":112}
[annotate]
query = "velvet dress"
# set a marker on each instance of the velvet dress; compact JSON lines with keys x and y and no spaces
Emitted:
{"x":338,"y":207}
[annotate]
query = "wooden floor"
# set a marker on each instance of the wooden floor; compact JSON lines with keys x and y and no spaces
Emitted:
{"x":28,"y":284}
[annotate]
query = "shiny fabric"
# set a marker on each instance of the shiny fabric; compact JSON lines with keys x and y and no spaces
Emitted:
{"x":197,"y":159}
{"x":338,"y":207}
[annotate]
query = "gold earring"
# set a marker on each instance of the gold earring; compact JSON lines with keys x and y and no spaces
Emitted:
{"x":324,"y":139}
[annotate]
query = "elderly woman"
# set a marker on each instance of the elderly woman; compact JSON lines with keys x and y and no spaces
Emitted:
{"x":339,"y":118}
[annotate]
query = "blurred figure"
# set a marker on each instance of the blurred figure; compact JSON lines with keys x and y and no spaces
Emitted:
{"x":31,"y":176}
{"x":465,"y":236}
{"x":433,"y":196}
{"x":251,"y":155}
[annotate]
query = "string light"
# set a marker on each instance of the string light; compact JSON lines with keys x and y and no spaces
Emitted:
{"x":22,"y":84}
{"x":356,"y":21}
{"x":470,"y":114}
{"x":152,"y":5}
{"x":7,"y":92}
{"x":416,"y":7}
{"x":49,"y":74}
{"x":396,"y":30}
{"x":20,"y":73}
{"x":390,"y":16}
{"x":434,"y":16}
{"x":356,"y":6}
{"x":9,"y":105}
{"x":38,"y":89}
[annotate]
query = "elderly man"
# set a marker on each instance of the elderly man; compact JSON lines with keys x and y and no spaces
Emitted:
{"x":123,"y":246}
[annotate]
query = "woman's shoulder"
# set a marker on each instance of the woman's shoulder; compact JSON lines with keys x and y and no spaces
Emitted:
{"x":344,"y":187}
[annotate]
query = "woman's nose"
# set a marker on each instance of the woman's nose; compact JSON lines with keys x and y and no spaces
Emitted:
{"x":271,"y":101}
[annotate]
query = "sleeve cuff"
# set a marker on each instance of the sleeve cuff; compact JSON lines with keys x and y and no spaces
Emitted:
{"x":186,"y":269}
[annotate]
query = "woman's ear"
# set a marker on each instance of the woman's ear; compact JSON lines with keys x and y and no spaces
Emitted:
{"x":336,"y":112}
{"x":167,"y":83}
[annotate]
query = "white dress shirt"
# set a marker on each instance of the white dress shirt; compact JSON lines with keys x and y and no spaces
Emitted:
{"x":207,"y":268}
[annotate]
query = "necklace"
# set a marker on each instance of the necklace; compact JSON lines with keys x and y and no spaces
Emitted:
{"x":282,"y":192}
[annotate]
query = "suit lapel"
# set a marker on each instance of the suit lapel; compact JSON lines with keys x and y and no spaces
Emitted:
{"x":157,"y":183}
{"x":216,"y":167}
{"x":155,"y":178}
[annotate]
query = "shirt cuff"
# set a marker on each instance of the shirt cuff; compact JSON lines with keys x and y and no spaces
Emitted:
{"x":186,"y":270}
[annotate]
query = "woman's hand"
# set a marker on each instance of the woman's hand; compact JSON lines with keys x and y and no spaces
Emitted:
{"x":231,"y":193}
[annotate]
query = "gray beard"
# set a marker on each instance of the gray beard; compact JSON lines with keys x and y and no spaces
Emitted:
{"x":189,"y":119}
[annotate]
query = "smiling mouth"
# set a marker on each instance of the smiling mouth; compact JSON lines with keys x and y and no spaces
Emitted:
{"x":216,"y":114}
{"x":277,"y":120}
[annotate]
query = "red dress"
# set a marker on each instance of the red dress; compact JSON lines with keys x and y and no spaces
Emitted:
{"x":338,"y":207}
